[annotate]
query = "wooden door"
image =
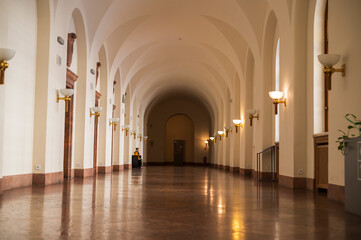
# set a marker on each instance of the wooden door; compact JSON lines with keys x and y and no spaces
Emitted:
{"x":95,"y":149}
{"x":179,"y":152}
{"x":321,"y":161}
{"x":68,"y":129}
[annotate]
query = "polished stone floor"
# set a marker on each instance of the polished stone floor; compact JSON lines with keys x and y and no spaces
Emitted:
{"x":172,"y":203}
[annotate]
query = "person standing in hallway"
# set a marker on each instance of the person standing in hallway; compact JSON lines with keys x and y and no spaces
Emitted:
{"x":136,"y":153}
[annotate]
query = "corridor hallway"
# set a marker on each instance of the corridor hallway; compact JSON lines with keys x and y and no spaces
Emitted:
{"x":172,"y":203}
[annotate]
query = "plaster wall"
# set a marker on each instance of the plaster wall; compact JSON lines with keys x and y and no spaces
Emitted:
{"x":18,"y":24}
{"x":345,"y":97}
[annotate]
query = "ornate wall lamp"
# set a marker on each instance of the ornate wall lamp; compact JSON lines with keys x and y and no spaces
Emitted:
{"x":126,"y":129}
{"x":67,"y":93}
{"x":228,"y":130}
{"x":206,"y":142}
{"x":328,"y":60}
{"x":145,"y":138}
{"x":95,"y":111}
{"x":252,"y":114}
{"x":134,"y":133}
{"x":140,"y":137}
{"x":212,"y":139}
{"x":238,"y":123}
{"x":6,"y":54}
{"x":276,"y":96}
{"x":220,"y":134}
{"x":114,"y":122}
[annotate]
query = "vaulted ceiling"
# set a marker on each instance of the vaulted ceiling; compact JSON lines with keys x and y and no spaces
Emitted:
{"x":158,"y":46}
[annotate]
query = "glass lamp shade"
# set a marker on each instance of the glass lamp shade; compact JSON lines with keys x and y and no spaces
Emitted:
{"x":276,"y":94}
{"x":6,"y":54}
{"x":66,"y":92}
{"x":251,"y":112}
{"x":237,"y":121}
{"x":97,"y":109}
{"x":211,"y":138}
{"x":114,"y":120}
{"x":205,"y":141}
{"x":220,"y":132}
{"x":145,"y":137}
{"x":328,"y":59}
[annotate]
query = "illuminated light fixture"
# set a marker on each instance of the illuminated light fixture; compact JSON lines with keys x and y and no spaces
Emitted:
{"x":206,"y":142}
{"x":328,"y":60}
{"x":238,"y":123}
{"x":220,"y":134}
{"x":126,"y":129}
{"x":252,"y":113}
{"x":114,"y":122}
{"x":95,"y":111}
{"x":140,"y":137}
{"x":134,"y":133}
{"x":6,"y":54}
{"x":276,"y":96}
{"x":228,"y":130}
{"x":145,"y":138}
{"x":67,"y":93}
{"x":212,"y":139}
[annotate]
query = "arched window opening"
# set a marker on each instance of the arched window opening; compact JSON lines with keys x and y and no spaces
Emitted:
{"x":277,"y":88}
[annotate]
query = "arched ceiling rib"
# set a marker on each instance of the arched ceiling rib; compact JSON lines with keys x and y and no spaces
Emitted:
{"x":202,"y":40}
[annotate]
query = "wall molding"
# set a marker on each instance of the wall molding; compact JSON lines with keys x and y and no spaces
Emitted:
{"x":292,"y":182}
{"x":83,"y":172}
{"x":16,"y":181}
{"x":118,"y":168}
{"x":43,"y":179}
{"x":104,"y":169}
{"x":336,"y":193}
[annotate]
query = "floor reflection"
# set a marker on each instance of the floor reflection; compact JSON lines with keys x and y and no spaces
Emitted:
{"x":172,"y":203}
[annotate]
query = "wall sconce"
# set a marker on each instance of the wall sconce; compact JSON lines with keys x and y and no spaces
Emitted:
{"x":140,"y":137}
{"x":134,"y":133}
{"x":206,"y":142}
{"x":67,"y":93}
{"x":276,"y":96}
{"x":220,"y":134}
{"x":6,"y":54}
{"x":145,"y":138}
{"x":212,"y":139}
{"x":238,"y":123}
{"x":328,"y":60}
{"x":228,"y":130}
{"x":252,"y":114}
{"x":96,"y":111}
{"x":126,"y":129}
{"x":114,"y":122}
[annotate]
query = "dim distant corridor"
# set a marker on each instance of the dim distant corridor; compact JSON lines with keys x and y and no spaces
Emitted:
{"x":172,"y":203}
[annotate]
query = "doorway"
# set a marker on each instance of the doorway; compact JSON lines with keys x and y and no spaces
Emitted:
{"x":179,"y":134}
{"x":179,"y":151}
{"x":68,"y":129}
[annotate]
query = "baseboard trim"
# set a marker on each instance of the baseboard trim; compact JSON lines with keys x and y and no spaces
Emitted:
{"x":172,"y":164}
{"x":104,"y":169}
{"x":16,"y":181}
{"x":291,"y":182}
{"x":336,"y":193}
{"x":234,"y":170}
{"x":127,"y":166}
{"x":43,"y":179}
{"x":118,"y":168}
{"x":310,"y":184}
{"x":245,"y":172}
{"x":84,"y":173}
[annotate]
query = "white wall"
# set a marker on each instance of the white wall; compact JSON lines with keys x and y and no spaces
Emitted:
{"x":345,"y":97}
{"x":18,"y":25}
